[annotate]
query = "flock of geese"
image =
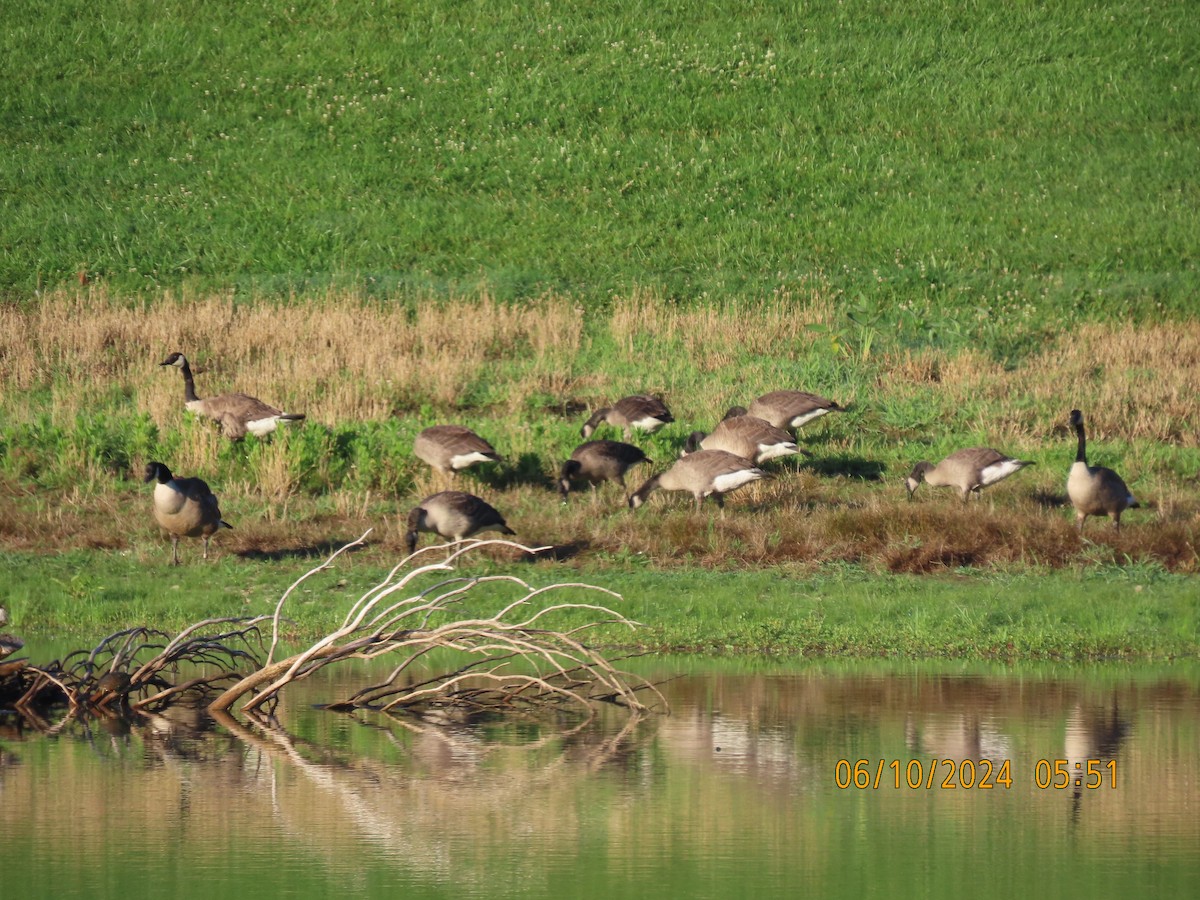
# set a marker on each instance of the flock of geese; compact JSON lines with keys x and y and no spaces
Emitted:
{"x":711,"y":465}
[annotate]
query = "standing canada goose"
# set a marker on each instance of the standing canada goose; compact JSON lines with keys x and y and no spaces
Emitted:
{"x":703,"y":473}
{"x":454,"y":515}
{"x":238,"y":414}
{"x":449,"y":448}
{"x":184,"y":507}
{"x":787,"y":409}
{"x":747,"y":436}
{"x":1095,"y":490}
{"x":638,"y":411}
{"x":969,"y":470}
{"x":598,"y":461}
{"x":9,"y":644}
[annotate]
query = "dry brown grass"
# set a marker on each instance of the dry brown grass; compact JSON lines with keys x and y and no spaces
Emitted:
{"x":343,"y":360}
{"x":1138,"y":383}
{"x":337,"y":358}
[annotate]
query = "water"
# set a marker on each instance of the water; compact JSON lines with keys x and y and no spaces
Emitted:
{"x":739,"y":792}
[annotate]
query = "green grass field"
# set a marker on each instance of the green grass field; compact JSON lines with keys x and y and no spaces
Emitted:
{"x":961,"y":154}
{"x":961,"y":219}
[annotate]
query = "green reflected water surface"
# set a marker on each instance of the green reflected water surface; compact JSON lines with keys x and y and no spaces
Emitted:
{"x":734,"y":794}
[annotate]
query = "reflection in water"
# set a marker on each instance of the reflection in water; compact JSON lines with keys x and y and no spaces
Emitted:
{"x":732,"y":794}
{"x":957,"y":737}
{"x":1094,"y":735}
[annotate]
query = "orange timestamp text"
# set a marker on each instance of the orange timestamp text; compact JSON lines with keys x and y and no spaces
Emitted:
{"x":970,"y":774}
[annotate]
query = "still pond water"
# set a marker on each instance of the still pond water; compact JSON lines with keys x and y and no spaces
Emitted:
{"x":739,"y":792}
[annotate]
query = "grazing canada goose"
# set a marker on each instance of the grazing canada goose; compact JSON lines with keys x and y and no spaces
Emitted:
{"x":638,"y":411}
{"x":703,"y":473}
{"x":1095,"y":490}
{"x":598,"y":461}
{"x":184,"y":507}
{"x":454,"y":515}
{"x":449,"y":448}
{"x":9,"y":644}
{"x":747,"y":436}
{"x":238,"y":414}
{"x":787,"y":409}
{"x":969,"y":470}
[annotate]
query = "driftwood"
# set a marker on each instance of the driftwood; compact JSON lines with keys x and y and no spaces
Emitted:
{"x":513,"y":661}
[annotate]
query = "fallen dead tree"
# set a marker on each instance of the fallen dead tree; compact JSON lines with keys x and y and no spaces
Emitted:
{"x":515,"y":660}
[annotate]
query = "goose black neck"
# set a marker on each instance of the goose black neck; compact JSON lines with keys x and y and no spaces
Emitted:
{"x":189,"y":385}
{"x":1081,"y":453}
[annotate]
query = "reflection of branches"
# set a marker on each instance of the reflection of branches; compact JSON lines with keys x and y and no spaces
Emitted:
{"x":513,"y":663}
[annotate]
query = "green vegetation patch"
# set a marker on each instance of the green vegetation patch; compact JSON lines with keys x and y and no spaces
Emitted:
{"x":1037,"y":156}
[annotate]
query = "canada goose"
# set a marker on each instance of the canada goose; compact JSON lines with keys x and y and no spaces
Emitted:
{"x":638,"y":411}
{"x":238,"y":414}
{"x":9,"y":644}
{"x":787,"y":409}
{"x":703,"y":473}
{"x":184,"y":507}
{"x":598,"y":461}
{"x":449,"y":448}
{"x":747,"y":436}
{"x":454,"y":515}
{"x":1095,"y":490}
{"x":969,"y":470}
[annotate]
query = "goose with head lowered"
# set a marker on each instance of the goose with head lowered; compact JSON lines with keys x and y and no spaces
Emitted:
{"x":788,"y":409}
{"x":705,"y":473}
{"x":452,"y":448}
{"x":746,"y":436}
{"x":639,"y":411}
{"x":969,"y":470}
{"x":1095,"y":490}
{"x":453,"y":515}
{"x":184,"y":507}
{"x":597,"y":462}
{"x":238,"y":414}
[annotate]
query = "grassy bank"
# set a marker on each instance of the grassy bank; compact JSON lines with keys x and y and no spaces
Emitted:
{"x":934,"y":153}
{"x":1106,"y":612}
{"x":820,"y":559}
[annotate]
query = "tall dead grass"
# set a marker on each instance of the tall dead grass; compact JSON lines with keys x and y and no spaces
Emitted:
{"x":337,"y":358}
{"x":1132,"y":383}
{"x":716,"y":336}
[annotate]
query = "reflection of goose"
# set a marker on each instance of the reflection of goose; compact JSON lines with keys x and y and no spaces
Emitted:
{"x":1092,"y":733}
{"x":957,"y":737}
